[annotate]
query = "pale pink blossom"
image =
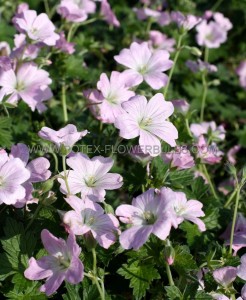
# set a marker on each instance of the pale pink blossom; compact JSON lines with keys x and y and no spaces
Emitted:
{"x":225,"y":276}
{"x":215,"y":132}
{"x":28,"y":83}
{"x":241,"y":72}
{"x":200,"y":66}
{"x":161,"y":41}
{"x":19,"y":14}
{"x":4,"y":49}
{"x":90,"y":177}
{"x":148,"y":121}
{"x":210,"y":35}
{"x":108,"y":14}
{"x":76,"y":10}
{"x":181,"y":105}
{"x":186,"y":22}
{"x":145,"y":13}
{"x":38,"y":168}
{"x":61,"y":264}
{"x":63,"y":45}
{"x":239,"y":238}
{"x":66,"y":136}
{"x":39,"y":28}
{"x":209,"y":154}
{"x":179,"y":158}
{"x":231,"y":154}
{"x":222,"y":21}
{"x":23,"y":50}
{"x":13,"y":175}
{"x":143,"y":65}
{"x":5,"y":65}
{"x":190,"y":210}
{"x":88,"y":216}
{"x":113,"y":92}
{"x":147,"y":215}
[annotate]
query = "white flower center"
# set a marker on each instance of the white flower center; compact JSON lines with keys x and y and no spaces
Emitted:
{"x":90,"y":181}
{"x":143,"y":69}
{"x":20,"y":86}
{"x":145,"y":122}
{"x":65,"y":263}
{"x":1,"y":182}
{"x":149,"y":217}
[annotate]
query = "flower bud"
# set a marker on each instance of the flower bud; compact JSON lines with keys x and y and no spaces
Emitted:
{"x":195,"y":51}
{"x":214,"y":82}
{"x":90,"y":242}
{"x":169,"y":254}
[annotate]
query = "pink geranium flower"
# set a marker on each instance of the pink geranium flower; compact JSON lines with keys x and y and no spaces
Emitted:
{"x":239,"y":238}
{"x":66,"y":136}
{"x":209,"y":154}
{"x":76,"y":10}
{"x":23,"y":50}
{"x":13,"y":176}
{"x":161,"y":41}
{"x":231,"y":154}
{"x":181,"y":106}
{"x":147,"y":120}
{"x":89,"y":216}
{"x":241,"y":72}
{"x":4,"y":49}
{"x":38,"y":28}
{"x":63,"y":45}
{"x":38,"y":168}
{"x":108,"y":14}
{"x":185,"y":22}
{"x":213,"y":33}
{"x":143,"y":65}
{"x":179,"y":158}
{"x":29,"y":83}
{"x":200,"y":66}
{"x":113,"y":92}
{"x":61,"y":264}
{"x":225,"y":276}
{"x":216,"y":133}
{"x":147,"y":214}
{"x":184,"y":209}
{"x":90,"y":177}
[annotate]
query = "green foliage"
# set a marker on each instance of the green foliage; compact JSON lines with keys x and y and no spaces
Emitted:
{"x":5,"y":132}
{"x":140,"y":276}
{"x":184,"y":261}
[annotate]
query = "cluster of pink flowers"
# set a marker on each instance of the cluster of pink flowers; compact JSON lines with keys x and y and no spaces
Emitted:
{"x":212,"y":30}
{"x":17,"y":175}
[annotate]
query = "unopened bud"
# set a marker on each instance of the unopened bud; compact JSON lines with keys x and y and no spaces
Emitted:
{"x":108,"y":208}
{"x":195,"y":51}
{"x":64,"y":151}
{"x":90,"y":242}
{"x":214,"y":82}
{"x":169,"y":254}
{"x":50,"y":199}
{"x":46,"y":186}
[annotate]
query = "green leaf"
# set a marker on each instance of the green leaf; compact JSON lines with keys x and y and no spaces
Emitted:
{"x":191,"y":232}
{"x":72,"y":292}
{"x":203,"y":296}
{"x":173,"y":292}
{"x":140,"y":277}
{"x":18,"y":246}
{"x":184,"y":261}
{"x":181,"y":178}
{"x":5,"y":132}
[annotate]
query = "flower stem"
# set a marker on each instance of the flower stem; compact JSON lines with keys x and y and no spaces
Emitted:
{"x":64,"y":102}
{"x":34,"y":216}
{"x":230,"y":198}
{"x":47,"y":8}
{"x":95,"y":279}
{"x":65,"y":173}
{"x":187,"y":126}
{"x":169,"y":275}
{"x":205,"y":86}
{"x":234,"y":219}
{"x":174,"y":64}
{"x":209,"y":181}
{"x":204,"y":95}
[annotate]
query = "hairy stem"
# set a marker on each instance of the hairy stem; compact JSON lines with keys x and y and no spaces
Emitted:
{"x":64,"y":102}
{"x":234,"y":219}
{"x":65,"y":173}
{"x":169,"y":275}
{"x":174,"y":64}
{"x":209,"y":181}
{"x":95,"y":279}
